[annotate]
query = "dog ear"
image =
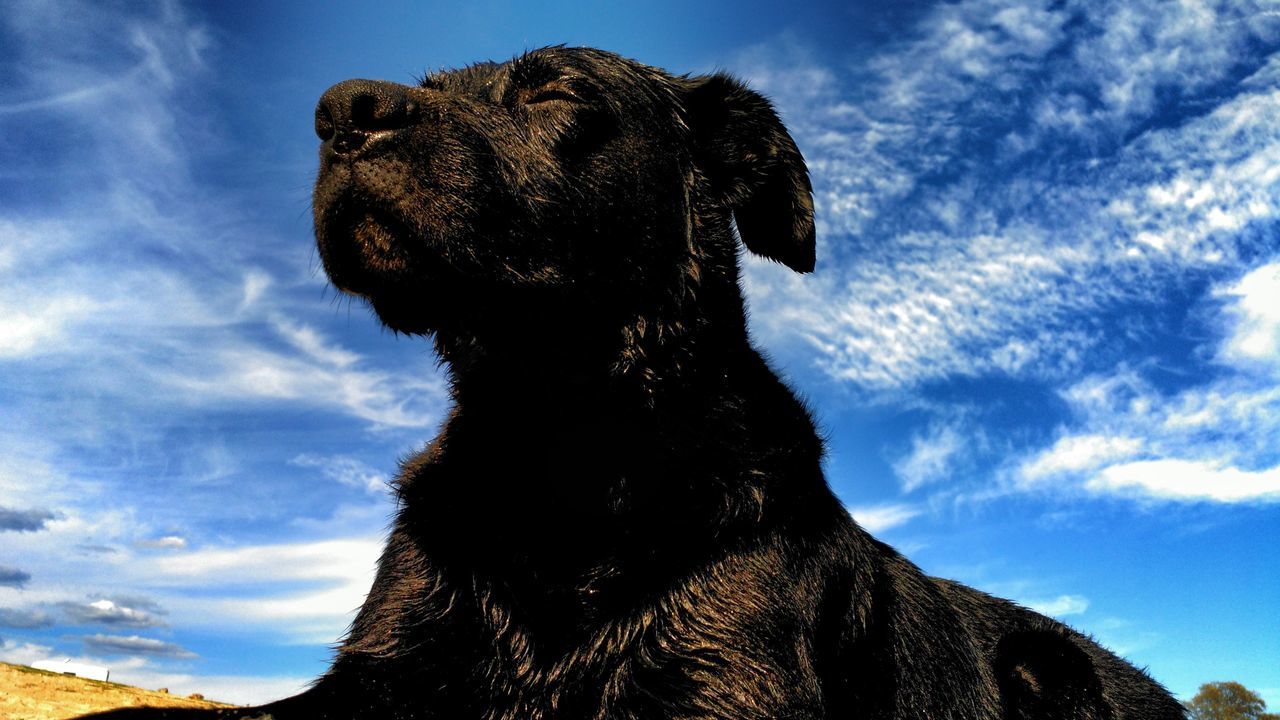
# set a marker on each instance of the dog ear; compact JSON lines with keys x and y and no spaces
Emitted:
{"x":754,"y":165}
{"x":1043,"y":675}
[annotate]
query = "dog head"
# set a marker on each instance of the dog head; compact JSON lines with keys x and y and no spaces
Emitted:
{"x":567,"y":180}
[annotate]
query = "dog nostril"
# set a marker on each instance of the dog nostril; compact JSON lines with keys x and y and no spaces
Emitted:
{"x":364,"y":112}
{"x":325,"y":127}
{"x":352,"y":112}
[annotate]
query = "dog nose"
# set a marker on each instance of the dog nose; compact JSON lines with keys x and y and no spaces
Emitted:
{"x":353,"y":111}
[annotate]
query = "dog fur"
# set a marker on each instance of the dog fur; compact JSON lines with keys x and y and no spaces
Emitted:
{"x":624,"y":516}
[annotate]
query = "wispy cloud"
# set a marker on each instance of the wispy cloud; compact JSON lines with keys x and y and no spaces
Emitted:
{"x":315,"y":374}
{"x":23,"y":520}
{"x":168,"y":542}
{"x":1122,"y":636}
{"x":930,"y":458}
{"x":13,"y":577}
{"x":1174,"y":479}
{"x":346,"y":470}
{"x":307,"y":592}
{"x":96,"y":549}
{"x":119,"y":612}
{"x":1061,"y":606}
{"x":134,"y":645}
{"x":22,"y":653}
{"x":878,"y":518}
{"x":1077,"y":453}
{"x":1253,"y":342}
{"x":33,"y":328}
{"x":25,"y":619}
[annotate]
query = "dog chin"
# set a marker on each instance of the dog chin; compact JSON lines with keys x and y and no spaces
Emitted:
{"x":362,"y":255}
{"x":405,"y":314}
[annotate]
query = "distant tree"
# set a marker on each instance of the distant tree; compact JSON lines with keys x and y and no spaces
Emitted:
{"x":1228,"y":701}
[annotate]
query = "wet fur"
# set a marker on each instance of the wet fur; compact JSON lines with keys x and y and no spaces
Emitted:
{"x":624,"y":515}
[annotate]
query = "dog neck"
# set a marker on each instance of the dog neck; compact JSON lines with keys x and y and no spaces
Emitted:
{"x":579,"y":449}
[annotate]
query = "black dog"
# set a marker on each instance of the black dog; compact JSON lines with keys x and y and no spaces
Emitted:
{"x":624,"y":516}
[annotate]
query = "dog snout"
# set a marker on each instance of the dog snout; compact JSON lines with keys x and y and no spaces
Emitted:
{"x":354,"y":112}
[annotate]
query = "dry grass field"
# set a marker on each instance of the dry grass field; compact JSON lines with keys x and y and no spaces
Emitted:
{"x":30,"y":694}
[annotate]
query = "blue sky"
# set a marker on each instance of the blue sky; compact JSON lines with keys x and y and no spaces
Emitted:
{"x":1043,"y":335}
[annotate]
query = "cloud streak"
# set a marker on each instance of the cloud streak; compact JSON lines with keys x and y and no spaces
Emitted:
{"x":931,"y":457}
{"x":120,"y":612}
{"x":168,"y":542}
{"x":134,"y":645}
{"x":1174,"y":479}
{"x":25,"y":619}
{"x":878,"y":518}
{"x":1061,"y":606}
{"x":345,"y":470}
{"x":13,"y":577}
{"x":307,"y":592}
{"x":23,"y":520}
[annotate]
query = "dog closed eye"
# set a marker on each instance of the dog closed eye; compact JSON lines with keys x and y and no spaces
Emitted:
{"x":550,"y":93}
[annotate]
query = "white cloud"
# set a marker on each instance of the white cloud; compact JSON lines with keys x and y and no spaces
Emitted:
{"x":931,"y":457}
{"x":1061,"y":606}
{"x":256,"y":283}
{"x":134,"y":645}
{"x":960,"y":49}
{"x":940,"y":309}
{"x":326,"y":377}
{"x":346,"y":470}
{"x":39,"y":327}
{"x":314,"y":345}
{"x":143,"y":614}
{"x":301,"y":592}
{"x":317,"y":617}
{"x":167,"y":542}
{"x":878,"y":518}
{"x":1255,"y":310}
{"x":22,"y":653}
{"x":25,"y":618}
{"x":24,"y":519}
{"x":1075,"y":453}
{"x":1175,"y":479}
{"x":1120,"y":635}
{"x":258,"y":585}
{"x":341,"y":559}
{"x":1210,"y":443}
